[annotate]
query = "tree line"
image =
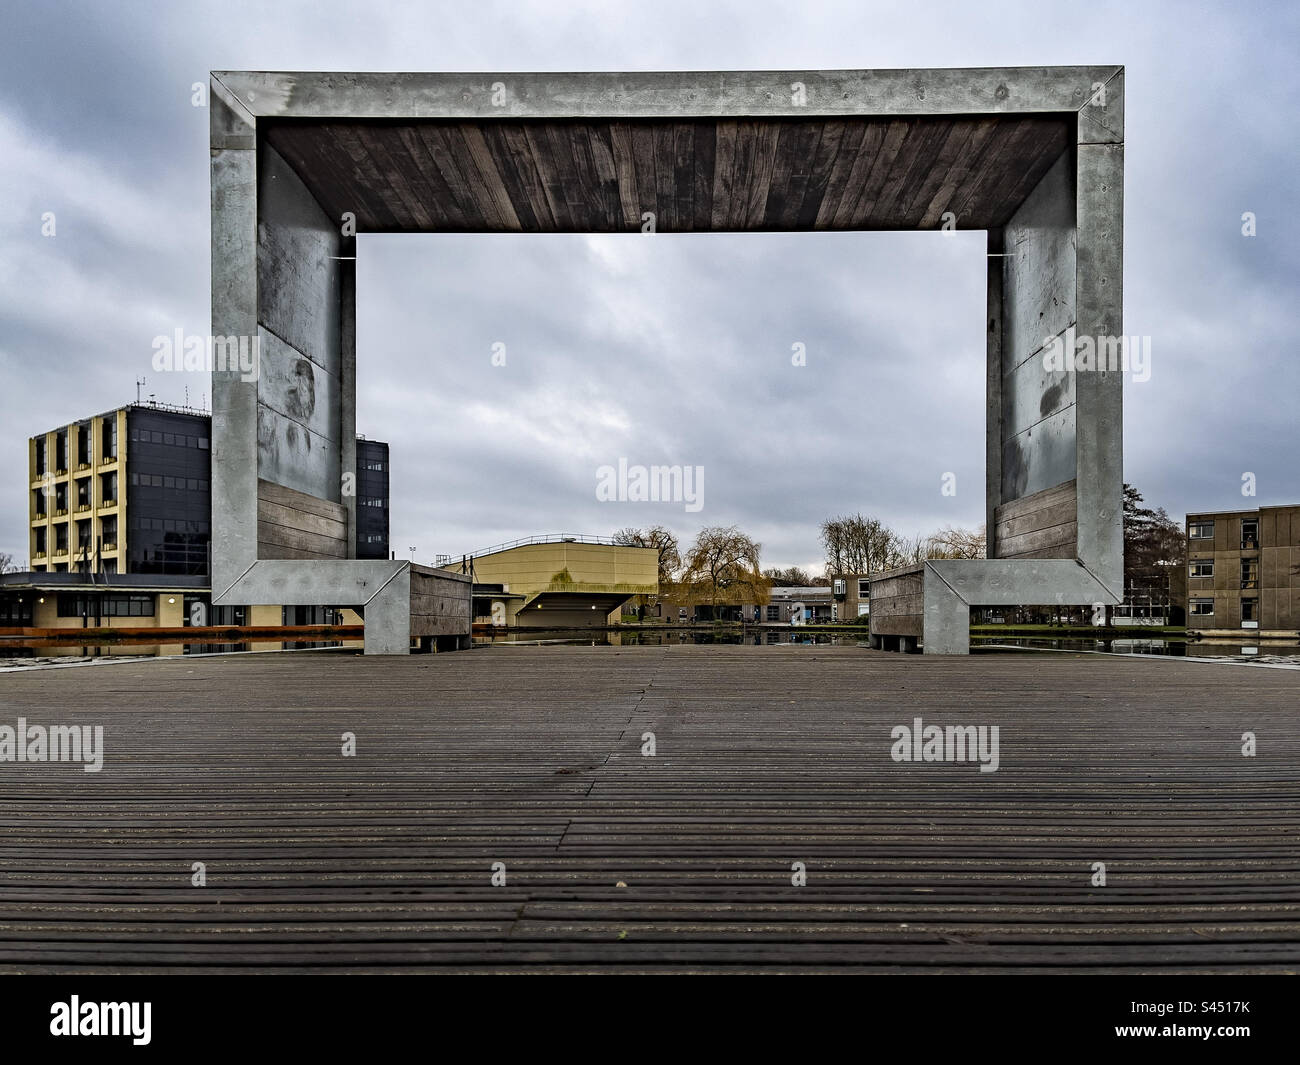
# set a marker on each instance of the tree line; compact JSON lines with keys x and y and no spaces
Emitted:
{"x":723,"y":563}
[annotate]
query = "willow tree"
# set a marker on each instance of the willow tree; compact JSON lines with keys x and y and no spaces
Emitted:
{"x":723,"y":563}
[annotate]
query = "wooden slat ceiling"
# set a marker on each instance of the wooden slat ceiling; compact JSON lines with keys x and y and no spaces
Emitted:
{"x":601,"y":176}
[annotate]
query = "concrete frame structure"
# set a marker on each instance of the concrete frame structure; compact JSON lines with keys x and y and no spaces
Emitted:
{"x":283,"y":271}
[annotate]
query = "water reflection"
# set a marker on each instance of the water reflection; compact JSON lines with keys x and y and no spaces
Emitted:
{"x":1270,"y":651}
{"x":642,"y":638}
{"x":17,"y":653}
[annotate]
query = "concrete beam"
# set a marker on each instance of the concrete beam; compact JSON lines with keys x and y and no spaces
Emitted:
{"x":656,"y":94}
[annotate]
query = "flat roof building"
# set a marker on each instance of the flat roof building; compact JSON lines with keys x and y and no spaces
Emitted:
{"x":129,"y":491}
{"x":1243,"y":570}
{"x":120,"y":524}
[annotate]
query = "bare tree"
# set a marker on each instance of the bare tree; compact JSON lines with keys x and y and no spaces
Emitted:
{"x":670,"y":558}
{"x":857,"y":544}
{"x":7,"y":564}
{"x":955,"y":542}
{"x":724,"y":562}
{"x":791,"y":575}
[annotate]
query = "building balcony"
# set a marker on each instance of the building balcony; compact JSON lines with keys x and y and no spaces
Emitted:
{"x":105,"y":504}
{"x":83,"y":507}
{"x":107,"y":461}
{"x":108,"y":549}
{"x":83,"y":466}
{"x":61,"y":473}
{"x":61,"y":512}
{"x":37,"y":555}
{"x":60,"y":552}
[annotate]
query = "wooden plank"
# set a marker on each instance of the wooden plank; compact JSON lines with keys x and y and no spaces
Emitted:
{"x":625,"y":168}
{"x":312,"y":545}
{"x":765,"y":756}
{"x":291,"y":498}
{"x":277,"y":514}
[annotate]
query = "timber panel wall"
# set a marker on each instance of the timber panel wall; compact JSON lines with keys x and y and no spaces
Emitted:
{"x":292,"y":524}
{"x":440,"y":603}
{"x":1042,"y":525}
{"x":896,"y":602}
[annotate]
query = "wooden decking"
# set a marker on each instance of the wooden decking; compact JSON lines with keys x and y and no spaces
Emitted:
{"x":765,"y":757}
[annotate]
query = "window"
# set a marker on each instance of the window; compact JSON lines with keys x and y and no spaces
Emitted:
{"x":1250,"y":573}
{"x":1249,"y":533}
{"x":773,"y":613}
{"x":83,"y":445}
{"x":1201,"y":607}
{"x":108,"y":438}
{"x":1200,"y":530}
{"x":61,"y":451}
{"x":71,"y":605}
{"x":1249,"y":610}
{"x":61,"y":538}
{"x":38,"y":502}
{"x":83,"y":492}
{"x":40,"y":456}
{"x":128,"y":606}
{"x":864,"y":588}
{"x":61,"y":496}
{"x":107,"y":488}
{"x":840,"y":587}
{"x":1201,"y":567}
{"x":40,"y":541}
{"x":108,"y":531}
{"x":864,"y":609}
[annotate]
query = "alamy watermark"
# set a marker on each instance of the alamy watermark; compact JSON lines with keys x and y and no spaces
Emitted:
{"x":182,"y":353}
{"x":1077,"y":354}
{"x":651,"y":484}
{"x":951,"y":743}
{"x":57,"y":743}
{"x":75,"y":1017}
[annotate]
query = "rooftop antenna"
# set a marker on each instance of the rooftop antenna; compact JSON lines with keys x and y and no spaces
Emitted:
{"x":139,"y":383}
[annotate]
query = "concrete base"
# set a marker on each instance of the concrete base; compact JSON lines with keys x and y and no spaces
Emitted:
{"x":931,"y":601}
{"x":396,"y":599}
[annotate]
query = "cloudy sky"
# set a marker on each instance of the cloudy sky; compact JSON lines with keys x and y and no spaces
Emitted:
{"x":674,"y":349}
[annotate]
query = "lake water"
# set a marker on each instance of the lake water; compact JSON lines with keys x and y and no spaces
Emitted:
{"x":17,"y":654}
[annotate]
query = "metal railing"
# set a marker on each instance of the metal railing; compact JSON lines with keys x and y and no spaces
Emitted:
{"x":547,"y":538}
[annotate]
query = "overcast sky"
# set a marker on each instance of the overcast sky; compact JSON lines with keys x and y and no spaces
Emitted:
{"x":674,"y":349}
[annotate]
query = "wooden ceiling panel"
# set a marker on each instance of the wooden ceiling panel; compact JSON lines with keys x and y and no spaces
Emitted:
{"x":699,"y":175}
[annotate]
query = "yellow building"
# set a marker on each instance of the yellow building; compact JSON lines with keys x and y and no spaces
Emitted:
{"x":558,"y":581}
{"x":119,"y":528}
{"x":77,"y":503}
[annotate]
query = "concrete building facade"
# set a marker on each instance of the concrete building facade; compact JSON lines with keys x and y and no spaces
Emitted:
{"x":1243,"y":571}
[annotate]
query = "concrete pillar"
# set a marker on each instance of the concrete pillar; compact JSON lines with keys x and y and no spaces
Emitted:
{"x":947,"y":618}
